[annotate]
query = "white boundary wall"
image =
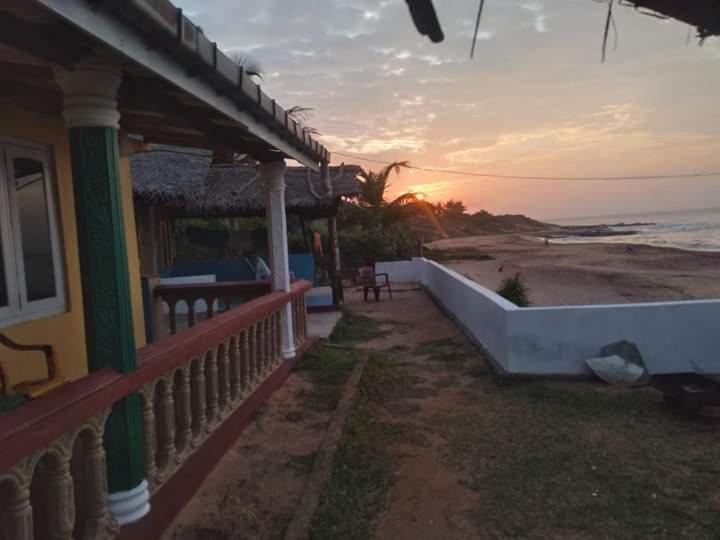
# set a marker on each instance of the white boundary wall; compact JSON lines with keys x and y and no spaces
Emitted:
{"x":671,"y":336}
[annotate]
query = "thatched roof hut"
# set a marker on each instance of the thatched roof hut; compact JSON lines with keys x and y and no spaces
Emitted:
{"x":187,"y":182}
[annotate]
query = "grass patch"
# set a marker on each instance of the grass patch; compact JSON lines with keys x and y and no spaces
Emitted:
{"x":451,"y":351}
{"x":354,"y":328}
{"x":456,"y":254}
{"x":582,"y":460}
{"x":362,"y":471}
{"x":329,"y":369}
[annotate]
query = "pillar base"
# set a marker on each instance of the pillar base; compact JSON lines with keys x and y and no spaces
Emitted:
{"x":289,"y":354}
{"x":130,"y":506}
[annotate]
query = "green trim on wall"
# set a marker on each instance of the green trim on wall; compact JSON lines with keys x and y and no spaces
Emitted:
{"x":107,"y":306}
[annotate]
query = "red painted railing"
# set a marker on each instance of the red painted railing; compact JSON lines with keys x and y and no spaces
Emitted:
{"x":190,"y":383}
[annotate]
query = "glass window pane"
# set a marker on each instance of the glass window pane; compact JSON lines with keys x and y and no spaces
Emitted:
{"x":3,"y":284}
{"x":32,"y":209}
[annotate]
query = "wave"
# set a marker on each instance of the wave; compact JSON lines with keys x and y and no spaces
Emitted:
{"x":692,"y":230}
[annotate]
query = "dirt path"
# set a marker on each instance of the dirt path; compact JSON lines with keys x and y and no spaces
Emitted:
{"x":427,"y":499}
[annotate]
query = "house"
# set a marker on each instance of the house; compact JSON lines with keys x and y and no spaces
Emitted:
{"x":114,"y":434}
{"x":172,"y":183}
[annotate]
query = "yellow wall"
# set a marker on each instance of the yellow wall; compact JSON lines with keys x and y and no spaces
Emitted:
{"x":133,"y":252}
{"x":65,"y":332}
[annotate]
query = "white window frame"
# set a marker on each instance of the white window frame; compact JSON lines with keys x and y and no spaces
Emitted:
{"x":19,"y":308}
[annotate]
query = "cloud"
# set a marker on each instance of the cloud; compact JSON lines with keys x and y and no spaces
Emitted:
{"x":534,"y":98}
{"x":416,"y":101}
{"x":588,"y":132}
{"x":533,"y":7}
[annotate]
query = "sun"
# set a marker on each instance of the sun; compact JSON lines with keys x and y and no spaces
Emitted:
{"x":420,"y":196}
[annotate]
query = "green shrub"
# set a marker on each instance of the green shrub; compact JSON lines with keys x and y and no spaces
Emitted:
{"x":514,"y":290}
{"x":363,"y":245}
{"x":296,"y":243}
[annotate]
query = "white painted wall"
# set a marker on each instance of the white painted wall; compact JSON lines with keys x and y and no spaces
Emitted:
{"x":400,"y":271}
{"x":671,"y":336}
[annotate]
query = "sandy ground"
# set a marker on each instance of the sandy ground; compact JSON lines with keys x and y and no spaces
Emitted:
{"x":562,"y":274}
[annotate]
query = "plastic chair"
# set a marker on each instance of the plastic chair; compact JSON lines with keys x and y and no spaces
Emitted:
{"x":368,"y":279}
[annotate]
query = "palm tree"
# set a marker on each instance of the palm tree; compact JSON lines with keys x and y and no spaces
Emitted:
{"x":374,"y":185}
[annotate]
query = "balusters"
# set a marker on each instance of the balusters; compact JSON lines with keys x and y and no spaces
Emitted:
{"x":224,"y":377}
{"x":60,"y":499}
{"x":165,"y":413}
{"x":16,"y":520}
{"x":268,"y":345}
{"x":245,"y":361}
{"x":183,"y":412}
{"x":172,"y":316}
{"x":211,"y":376}
{"x":199,"y":403}
{"x":95,"y":486}
{"x":253,"y":354}
{"x":275,"y":334}
{"x":148,"y":417}
{"x":261,"y":349}
{"x":191,"y":312}
{"x":236,"y":383}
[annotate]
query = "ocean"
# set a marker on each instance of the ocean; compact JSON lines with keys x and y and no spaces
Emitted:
{"x":696,"y":230}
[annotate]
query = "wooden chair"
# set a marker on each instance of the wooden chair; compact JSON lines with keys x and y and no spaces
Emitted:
{"x":368,"y":279}
{"x":38,"y":387}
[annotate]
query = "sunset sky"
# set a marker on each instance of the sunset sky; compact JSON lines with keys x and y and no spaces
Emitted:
{"x":536,"y":100}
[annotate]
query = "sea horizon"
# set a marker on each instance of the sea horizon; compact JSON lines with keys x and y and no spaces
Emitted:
{"x":695,"y":230}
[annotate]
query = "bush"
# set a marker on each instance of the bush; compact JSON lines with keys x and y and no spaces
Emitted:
{"x":366,"y":245}
{"x":296,"y":243}
{"x":514,"y":290}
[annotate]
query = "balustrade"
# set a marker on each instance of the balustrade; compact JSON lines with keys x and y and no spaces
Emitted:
{"x":216,"y":298}
{"x":189,"y":385}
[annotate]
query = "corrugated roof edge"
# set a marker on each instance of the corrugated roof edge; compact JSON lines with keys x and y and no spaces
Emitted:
{"x":165,"y":22}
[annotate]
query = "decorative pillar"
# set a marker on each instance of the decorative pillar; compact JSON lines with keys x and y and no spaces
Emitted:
{"x":272,"y":174}
{"x":91,"y":116}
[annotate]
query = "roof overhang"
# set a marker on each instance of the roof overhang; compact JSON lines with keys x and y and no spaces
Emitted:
{"x":172,"y":73}
{"x":703,"y":14}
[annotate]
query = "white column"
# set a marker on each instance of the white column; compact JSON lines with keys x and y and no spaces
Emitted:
{"x":272,"y":174}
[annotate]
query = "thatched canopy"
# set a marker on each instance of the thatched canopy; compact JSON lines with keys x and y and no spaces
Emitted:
{"x":186,"y":181}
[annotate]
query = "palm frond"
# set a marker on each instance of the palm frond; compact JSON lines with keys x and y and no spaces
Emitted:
{"x":247,"y":62}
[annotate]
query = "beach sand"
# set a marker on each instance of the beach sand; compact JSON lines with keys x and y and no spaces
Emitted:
{"x":571,"y":274}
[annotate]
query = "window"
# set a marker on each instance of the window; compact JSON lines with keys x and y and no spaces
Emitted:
{"x":31,"y":284}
